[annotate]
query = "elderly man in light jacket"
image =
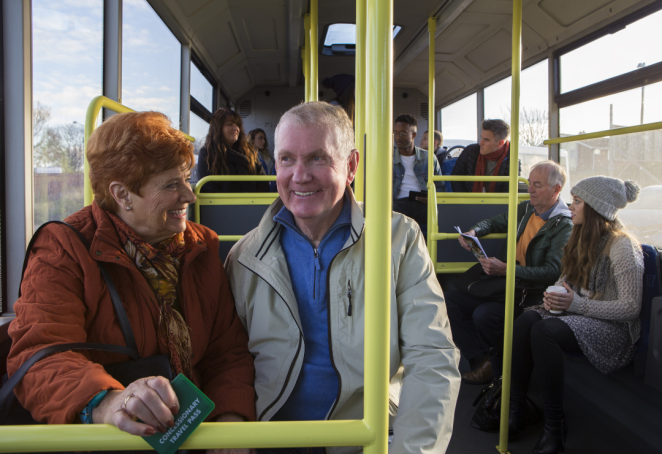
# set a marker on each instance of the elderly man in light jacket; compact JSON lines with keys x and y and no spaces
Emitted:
{"x":298,"y":285}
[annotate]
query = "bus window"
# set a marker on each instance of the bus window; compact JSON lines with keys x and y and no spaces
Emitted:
{"x":67,"y":49}
{"x":458,"y":122}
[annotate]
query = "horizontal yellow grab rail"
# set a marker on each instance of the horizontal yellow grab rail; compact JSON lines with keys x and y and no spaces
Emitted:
{"x":91,"y":119}
{"x":230,"y":237}
{"x":453,"y":267}
{"x":454,"y":236}
{"x":607,"y":133}
{"x":475,"y":178}
{"x":99,"y":437}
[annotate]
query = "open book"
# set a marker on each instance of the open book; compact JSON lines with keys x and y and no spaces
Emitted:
{"x":474,"y":244}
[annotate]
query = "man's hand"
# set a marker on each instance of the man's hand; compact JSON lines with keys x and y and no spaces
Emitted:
{"x":493,"y":266}
{"x":422,"y":199}
{"x":231,"y":417}
{"x":558,"y":301}
{"x":151,"y":400}
{"x":464,"y":243}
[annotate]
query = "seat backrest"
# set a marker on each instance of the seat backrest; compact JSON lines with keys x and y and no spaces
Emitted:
{"x":446,"y":169}
{"x":652,"y":288}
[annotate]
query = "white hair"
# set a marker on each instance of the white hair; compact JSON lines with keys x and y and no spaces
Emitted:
{"x":555,"y":173}
{"x":320,"y":113}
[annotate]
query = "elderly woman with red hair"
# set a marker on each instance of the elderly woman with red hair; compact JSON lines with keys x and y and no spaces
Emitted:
{"x":168,"y":274}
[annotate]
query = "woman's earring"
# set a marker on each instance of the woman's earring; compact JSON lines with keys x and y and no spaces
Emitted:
{"x":128,"y":208}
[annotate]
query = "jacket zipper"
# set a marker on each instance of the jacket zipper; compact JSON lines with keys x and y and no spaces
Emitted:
{"x":296,"y":355}
{"x":349,"y":297}
{"x":316,"y":257}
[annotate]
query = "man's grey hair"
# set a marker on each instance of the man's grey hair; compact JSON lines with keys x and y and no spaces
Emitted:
{"x":555,"y":173}
{"x":321,"y":114}
{"x":499,"y":128}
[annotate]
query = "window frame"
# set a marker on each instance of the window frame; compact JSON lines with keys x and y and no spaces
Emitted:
{"x":624,"y":82}
{"x":196,"y":106}
{"x":3,"y":224}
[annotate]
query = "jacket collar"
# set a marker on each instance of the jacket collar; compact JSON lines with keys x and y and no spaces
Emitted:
{"x":421,"y":155}
{"x":265,"y":242}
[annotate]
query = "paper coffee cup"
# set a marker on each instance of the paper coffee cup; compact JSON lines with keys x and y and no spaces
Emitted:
{"x":556,"y":289}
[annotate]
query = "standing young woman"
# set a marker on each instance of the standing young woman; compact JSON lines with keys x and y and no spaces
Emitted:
{"x":226,"y":152}
{"x":602,"y":271}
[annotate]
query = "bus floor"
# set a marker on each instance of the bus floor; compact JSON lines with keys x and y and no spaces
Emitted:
{"x":586,"y":434}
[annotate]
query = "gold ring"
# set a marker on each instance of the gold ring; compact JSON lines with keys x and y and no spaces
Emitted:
{"x":125,"y":401}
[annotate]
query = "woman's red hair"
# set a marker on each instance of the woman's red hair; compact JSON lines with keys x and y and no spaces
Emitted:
{"x":130,"y":148}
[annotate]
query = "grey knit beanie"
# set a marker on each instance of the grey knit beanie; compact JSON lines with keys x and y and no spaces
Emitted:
{"x":606,"y":195}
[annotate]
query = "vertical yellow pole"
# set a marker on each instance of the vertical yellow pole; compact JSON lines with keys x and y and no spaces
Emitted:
{"x":379,"y":159}
{"x":306,"y":70}
{"x":304,"y":64}
{"x":314,"y":53}
{"x":359,"y":94}
{"x":432,"y":195}
{"x":512,"y":225}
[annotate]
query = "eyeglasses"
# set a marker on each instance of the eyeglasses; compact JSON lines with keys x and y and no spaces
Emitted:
{"x":401,"y":134}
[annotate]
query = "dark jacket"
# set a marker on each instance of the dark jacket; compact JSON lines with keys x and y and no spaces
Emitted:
{"x":466,"y":165}
{"x":65,"y":299}
{"x":237,"y":165}
{"x":544,"y":253}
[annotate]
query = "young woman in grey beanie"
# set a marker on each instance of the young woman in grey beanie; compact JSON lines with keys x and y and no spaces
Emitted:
{"x":602,"y":270}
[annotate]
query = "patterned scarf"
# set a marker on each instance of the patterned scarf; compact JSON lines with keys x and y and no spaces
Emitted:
{"x":481,"y":165}
{"x":160,"y":265}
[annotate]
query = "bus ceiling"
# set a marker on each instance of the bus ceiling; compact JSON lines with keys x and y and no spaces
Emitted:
{"x":257,"y":44}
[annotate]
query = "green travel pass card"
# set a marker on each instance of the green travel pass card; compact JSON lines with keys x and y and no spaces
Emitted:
{"x":194,"y":407}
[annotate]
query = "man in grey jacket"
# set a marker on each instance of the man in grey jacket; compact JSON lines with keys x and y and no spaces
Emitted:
{"x":298,"y":285}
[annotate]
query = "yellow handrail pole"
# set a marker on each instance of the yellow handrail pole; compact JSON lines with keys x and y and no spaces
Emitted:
{"x":314,"y":52}
{"x":607,"y":133}
{"x":306,"y":26}
{"x":512,"y":226}
{"x":379,"y":159}
{"x":432,"y":199}
{"x":359,"y":95}
{"x":91,"y":118}
{"x":304,"y":66}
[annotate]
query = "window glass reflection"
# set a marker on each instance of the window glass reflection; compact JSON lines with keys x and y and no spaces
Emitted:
{"x":635,"y":157}
{"x":67,"y":49}
{"x":458,"y":122}
{"x":635,"y":46}
{"x":151,"y":57}
{"x":201,"y":89}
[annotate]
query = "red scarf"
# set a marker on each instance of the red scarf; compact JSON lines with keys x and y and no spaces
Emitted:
{"x":481,"y":165}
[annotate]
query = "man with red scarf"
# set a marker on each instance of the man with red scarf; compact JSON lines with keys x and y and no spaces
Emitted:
{"x":489,"y":157}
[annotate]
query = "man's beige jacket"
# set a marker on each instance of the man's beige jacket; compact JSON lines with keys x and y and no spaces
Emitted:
{"x":422,"y":398}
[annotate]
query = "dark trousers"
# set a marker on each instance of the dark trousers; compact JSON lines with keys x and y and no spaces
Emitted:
{"x":541,"y":343}
{"x":418,"y":211}
{"x":477,"y":326}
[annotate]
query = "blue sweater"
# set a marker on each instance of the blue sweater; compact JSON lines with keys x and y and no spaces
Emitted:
{"x":317,"y":386}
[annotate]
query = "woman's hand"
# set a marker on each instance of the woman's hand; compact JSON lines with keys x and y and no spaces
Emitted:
{"x":231,"y":417}
{"x":151,"y":399}
{"x":558,"y":301}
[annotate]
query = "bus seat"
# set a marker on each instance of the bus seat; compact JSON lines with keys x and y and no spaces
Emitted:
{"x":5,"y":343}
{"x":446,"y":169}
{"x":231,"y":220}
{"x":653,"y":375}
{"x":465,"y":217}
{"x":652,"y":289}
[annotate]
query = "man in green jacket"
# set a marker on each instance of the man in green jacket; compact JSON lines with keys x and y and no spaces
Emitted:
{"x":543,"y":229}
{"x":298,"y":285}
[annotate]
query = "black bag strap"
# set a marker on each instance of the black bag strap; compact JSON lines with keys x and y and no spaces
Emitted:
{"x":6,"y":392}
{"x":122,"y":318}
